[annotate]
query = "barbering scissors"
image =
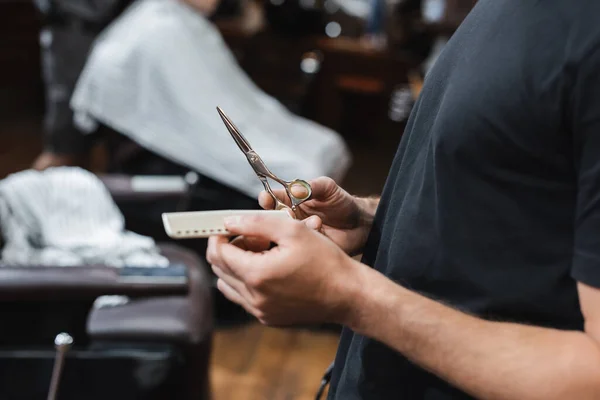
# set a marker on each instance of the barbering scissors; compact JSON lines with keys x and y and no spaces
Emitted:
{"x":263,"y":172}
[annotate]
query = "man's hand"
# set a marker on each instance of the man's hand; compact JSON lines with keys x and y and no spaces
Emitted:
{"x":48,"y":160}
{"x":346,"y":219}
{"x":306,"y":278}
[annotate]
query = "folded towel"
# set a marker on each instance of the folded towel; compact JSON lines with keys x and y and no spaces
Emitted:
{"x":65,"y":216}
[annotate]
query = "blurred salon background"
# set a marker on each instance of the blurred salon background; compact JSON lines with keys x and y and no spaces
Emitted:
{"x":108,"y":120}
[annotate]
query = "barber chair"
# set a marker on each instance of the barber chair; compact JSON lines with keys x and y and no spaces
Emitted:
{"x":142,"y":198}
{"x":149,"y":339}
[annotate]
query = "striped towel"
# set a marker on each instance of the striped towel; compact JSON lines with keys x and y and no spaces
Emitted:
{"x":157,"y":75}
{"x":66,"y":217}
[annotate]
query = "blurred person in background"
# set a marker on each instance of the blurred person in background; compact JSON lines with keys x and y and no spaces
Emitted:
{"x":146,"y":77}
{"x":69,"y":29}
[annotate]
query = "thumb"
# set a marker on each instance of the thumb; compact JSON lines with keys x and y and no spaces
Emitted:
{"x":299,"y":191}
{"x":314,"y":223}
{"x":323,"y":188}
{"x":271,"y":227}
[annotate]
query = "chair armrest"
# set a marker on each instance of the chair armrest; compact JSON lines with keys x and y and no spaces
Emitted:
{"x":79,"y":283}
{"x":146,"y":188}
{"x":182,"y":319}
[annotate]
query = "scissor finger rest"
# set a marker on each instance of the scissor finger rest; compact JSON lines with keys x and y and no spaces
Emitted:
{"x":296,"y":201}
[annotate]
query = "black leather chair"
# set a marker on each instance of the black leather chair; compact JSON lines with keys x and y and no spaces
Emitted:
{"x":157,"y":345}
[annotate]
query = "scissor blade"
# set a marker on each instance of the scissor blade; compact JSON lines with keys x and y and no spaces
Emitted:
{"x":235,"y":133}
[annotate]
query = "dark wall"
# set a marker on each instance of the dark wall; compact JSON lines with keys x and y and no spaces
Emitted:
{"x":20,"y":80}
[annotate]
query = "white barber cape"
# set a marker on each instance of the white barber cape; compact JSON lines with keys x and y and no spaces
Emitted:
{"x":157,"y":75}
{"x":65,"y":216}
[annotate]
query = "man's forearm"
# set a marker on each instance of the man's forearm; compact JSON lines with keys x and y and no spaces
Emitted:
{"x":489,"y":360}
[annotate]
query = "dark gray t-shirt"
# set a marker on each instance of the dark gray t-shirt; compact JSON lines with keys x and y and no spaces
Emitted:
{"x":492,"y":204}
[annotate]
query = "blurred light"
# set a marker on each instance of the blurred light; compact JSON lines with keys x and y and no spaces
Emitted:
{"x":277,"y":2}
{"x":400,"y":104}
{"x":191,"y":178}
{"x":433,"y":10}
{"x":331,"y":6}
{"x":43,"y":5}
{"x":309,"y":65}
{"x":333,"y":29}
{"x":46,"y":38}
{"x":58,"y":92}
{"x":307,"y":3}
{"x":357,"y":8}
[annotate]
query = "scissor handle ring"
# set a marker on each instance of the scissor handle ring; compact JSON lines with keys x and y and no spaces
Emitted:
{"x":296,"y":201}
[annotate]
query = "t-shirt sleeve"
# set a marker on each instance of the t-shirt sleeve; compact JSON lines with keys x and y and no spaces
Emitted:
{"x":585,"y":122}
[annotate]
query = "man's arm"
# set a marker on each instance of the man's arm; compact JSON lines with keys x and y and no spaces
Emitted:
{"x":489,"y":360}
{"x":501,"y":360}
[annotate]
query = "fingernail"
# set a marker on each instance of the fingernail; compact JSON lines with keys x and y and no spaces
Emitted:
{"x":299,"y":190}
{"x":232,"y":220}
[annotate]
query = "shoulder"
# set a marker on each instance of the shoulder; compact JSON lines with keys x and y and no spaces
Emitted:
{"x":583,"y":35}
{"x":158,"y":20}
{"x":153,"y":29}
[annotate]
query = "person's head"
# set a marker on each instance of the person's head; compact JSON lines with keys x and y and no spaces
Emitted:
{"x":206,"y":7}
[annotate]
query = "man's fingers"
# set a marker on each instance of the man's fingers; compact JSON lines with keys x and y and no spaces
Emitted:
{"x":213,"y":251}
{"x":315,"y":223}
{"x":240,"y":258}
{"x":254,"y":244}
{"x":234,"y":296}
{"x":267,"y":227}
{"x":299,"y":191}
{"x":266,"y":201}
{"x":229,"y":292}
{"x":240,"y":263}
{"x":323,"y":188}
{"x":231,"y":280}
